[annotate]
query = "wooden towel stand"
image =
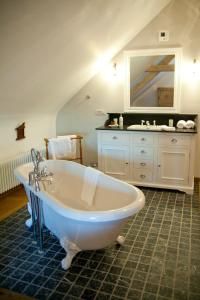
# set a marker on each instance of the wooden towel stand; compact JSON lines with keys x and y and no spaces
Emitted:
{"x":79,"y":157}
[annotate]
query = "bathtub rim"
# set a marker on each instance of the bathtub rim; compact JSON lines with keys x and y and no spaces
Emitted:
{"x":84,"y":215}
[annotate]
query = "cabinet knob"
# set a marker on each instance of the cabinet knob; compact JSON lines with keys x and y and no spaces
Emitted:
{"x":174,"y":141}
{"x":142,"y":164}
{"x":126,"y":163}
{"x":115,"y":137}
{"x":159,"y":166}
{"x":143,"y":139}
{"x":142,"y":151}
{"x":142,"y":176}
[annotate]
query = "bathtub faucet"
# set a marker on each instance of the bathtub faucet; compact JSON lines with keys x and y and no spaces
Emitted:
{"x":34,"y":180}
{"x":36,"y":159}
{"x":38,"y":174}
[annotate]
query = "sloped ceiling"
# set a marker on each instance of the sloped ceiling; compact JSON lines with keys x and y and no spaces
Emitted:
{"x":49,"y":49}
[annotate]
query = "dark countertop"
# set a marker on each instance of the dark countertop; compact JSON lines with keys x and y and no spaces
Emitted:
{"x":147,"y":130}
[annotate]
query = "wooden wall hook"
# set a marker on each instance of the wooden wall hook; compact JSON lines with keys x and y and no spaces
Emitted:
{"x":20,"y":132}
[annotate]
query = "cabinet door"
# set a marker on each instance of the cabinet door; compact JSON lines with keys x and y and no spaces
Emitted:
{"x":115,"y":161}
{"x":173,"y":166}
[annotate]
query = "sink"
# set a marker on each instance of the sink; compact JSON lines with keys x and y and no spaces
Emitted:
{"x":154,"y":127}
{"x":144,"y":127}
{"x":132,"y":127}
{"x":151,"y":127}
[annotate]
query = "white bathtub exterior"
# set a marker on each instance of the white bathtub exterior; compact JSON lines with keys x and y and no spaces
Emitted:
{"x":73,"y":221}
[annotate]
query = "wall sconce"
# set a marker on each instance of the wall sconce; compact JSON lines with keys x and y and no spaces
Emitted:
{"x":114,"y":69}
{"x":194,"y":67}
{"x":113,"y":72}
{"x":191,"y":71}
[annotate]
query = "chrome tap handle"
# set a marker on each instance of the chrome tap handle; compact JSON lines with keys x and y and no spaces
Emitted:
{"x":34,"y":157}
{"x":31,"y":178}
{"x":142,"y":122}
{"x":40,"y":172}
{"x":39,"y":157}
{"x":45,"y":172}
{"x":37,"y":185}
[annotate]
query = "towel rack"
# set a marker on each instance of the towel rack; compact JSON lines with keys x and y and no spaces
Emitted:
{"x":79,"y":141}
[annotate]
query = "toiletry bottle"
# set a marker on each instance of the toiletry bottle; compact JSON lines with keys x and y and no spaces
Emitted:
{"x":171,"y":122}
{"x":115,"y":121}
{"x":121,"y":121}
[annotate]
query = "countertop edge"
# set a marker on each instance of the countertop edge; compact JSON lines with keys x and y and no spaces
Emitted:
{"x":191,"y":131}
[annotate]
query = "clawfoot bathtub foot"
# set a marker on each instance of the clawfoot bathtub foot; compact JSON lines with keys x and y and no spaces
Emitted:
{"x":29,"y":222}
{"x":120,"y":240}
{"x":71,"y":249}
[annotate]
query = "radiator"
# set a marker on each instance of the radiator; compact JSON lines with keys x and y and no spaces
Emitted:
{"x":7,"y":177}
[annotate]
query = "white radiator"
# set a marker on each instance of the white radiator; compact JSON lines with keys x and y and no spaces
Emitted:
{"x":7,"y":177}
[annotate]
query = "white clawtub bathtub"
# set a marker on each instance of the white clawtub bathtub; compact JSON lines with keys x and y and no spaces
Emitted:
{"x":77,"y":225}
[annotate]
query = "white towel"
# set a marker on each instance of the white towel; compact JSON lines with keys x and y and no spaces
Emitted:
{"x":167,"y":128}
{"x":181,"y":124}
{"x":60,"y":148}
{"x":189,"y":124}
{"x":73,"y":144}
{"x":91,"y":176}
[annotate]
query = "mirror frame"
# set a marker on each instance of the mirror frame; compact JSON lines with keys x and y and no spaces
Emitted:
{"x":150,"y":52}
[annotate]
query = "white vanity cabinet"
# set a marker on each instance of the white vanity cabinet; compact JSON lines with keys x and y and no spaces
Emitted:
{"x":114,"y":154}
{"x":154,"y":159}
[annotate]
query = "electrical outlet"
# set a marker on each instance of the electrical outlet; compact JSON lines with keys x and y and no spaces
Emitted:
{"x":163,"y":36}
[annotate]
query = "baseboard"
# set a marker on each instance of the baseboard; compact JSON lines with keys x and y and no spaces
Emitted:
{"x":16,"y":188}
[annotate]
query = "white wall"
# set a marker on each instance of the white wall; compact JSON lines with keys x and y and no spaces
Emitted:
{"x":182,"y":20}
{"x":49,"y":50}
{"x":37,"y":128}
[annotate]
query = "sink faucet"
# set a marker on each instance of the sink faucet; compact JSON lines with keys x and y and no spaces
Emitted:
{"x":147,"y":123}
{"x":38,"y":174}
{"x":142,"y":122}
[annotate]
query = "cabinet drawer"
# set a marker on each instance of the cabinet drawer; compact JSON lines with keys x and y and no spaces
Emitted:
{"x":142,"y":175}
{"x":174,"y":139}
{"x":143,"y":139}
{"x":143,"y":164}
{"x":143,"y":152}
{"x":114,"y":138}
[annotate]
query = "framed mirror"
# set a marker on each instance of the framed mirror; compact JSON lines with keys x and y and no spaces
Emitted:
{"x":152,"y":80}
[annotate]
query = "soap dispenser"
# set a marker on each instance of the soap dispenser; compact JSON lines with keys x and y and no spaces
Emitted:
{"x":121,"y":121}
